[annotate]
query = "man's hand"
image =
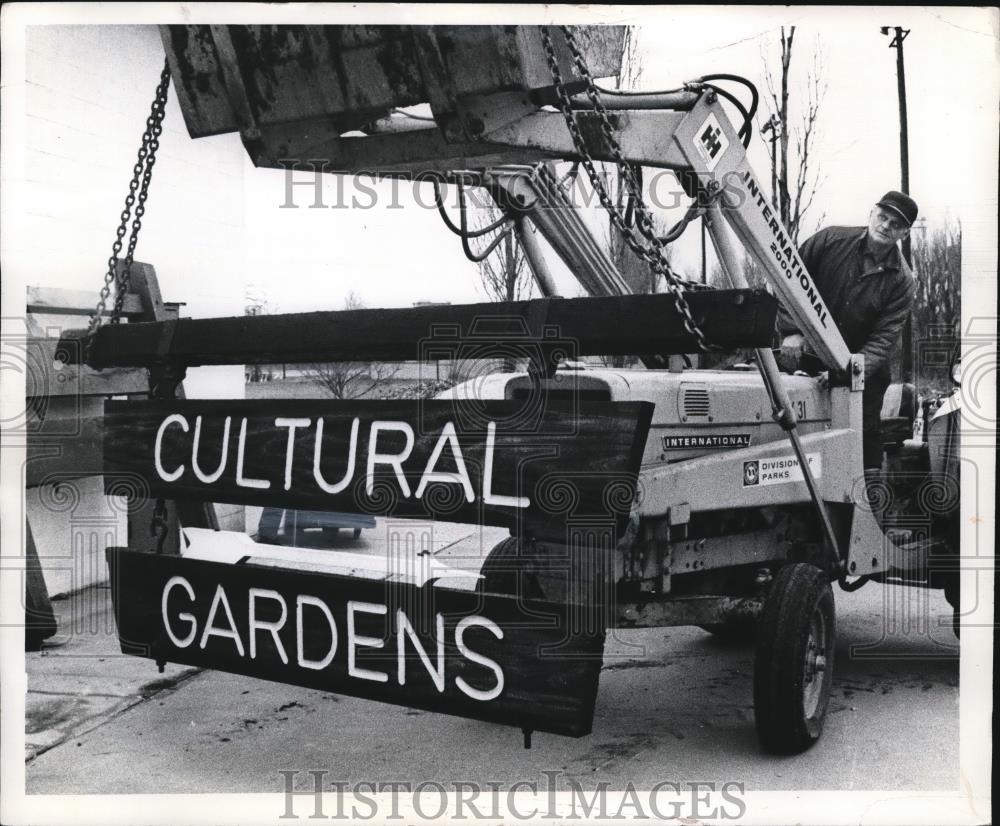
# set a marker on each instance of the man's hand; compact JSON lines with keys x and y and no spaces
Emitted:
{"x":790,"y":355}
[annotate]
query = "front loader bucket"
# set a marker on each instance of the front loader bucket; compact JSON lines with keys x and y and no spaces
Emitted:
{"x":292,"y":89}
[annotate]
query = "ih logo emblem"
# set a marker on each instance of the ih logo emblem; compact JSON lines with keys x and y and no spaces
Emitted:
{"x":711,"y":142}
{"x":751,"y":473}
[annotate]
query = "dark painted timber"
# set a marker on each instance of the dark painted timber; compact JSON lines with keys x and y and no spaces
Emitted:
{"x":619,"y":325}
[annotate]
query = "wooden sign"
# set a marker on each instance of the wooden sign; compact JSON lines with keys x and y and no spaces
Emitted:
{"x":486,"y":462}
{"x":485,"y":657}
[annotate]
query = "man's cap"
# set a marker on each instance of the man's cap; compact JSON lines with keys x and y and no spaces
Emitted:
{"x":903,"y":205}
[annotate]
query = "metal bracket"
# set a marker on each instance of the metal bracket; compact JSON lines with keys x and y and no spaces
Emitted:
{"x":545,"y":362}
{"x":482,"y":114}
{"x":856,"y":370}
{"x":165,"y":378}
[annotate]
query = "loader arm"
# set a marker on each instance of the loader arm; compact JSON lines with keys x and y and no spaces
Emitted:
{"x":301,"y":93}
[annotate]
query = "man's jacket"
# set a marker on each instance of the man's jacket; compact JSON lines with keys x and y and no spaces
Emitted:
{"x":870,"y":305}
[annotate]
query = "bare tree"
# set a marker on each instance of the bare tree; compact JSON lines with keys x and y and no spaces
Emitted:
{"x":790,"y":132}
{"x":350,"y":379}
{"x":504,"y":272}
{"x":795,"y":175}
{"x":937,"y":304}
{"x":636,"y":272}
{"x":491,"y":242}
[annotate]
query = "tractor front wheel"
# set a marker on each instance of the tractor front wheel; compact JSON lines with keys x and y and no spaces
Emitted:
{"x":793,"y":668}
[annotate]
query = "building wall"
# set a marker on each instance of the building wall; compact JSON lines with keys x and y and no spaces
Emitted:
{"x":87,"y":94}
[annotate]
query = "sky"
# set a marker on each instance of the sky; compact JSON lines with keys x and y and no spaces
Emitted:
{"x":392,"y":256}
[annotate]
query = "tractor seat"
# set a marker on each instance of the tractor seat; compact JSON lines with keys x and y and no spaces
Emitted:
{"x":899,"y":409}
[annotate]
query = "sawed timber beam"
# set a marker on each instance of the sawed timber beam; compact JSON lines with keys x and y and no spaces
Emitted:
{"x":617,"y":325}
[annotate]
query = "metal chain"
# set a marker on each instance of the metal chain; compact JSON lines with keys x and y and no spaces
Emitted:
{"x":653,"y":252}
{"x":159,"y":525}
{"x":138,"y":189}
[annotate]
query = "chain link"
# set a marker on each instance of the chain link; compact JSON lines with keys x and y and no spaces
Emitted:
{"x":653,"y":251}
{"x":159,"y":524}
{"x":138,"y":189}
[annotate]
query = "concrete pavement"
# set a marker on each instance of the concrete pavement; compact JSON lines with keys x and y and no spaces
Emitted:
{"x":80,"y":680}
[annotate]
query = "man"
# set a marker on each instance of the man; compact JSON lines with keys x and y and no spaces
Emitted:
{"x":868,"y":288}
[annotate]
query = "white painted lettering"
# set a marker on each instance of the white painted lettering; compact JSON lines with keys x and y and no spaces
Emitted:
{"x":174,"y":475}
{"x":291,"y":424}
{"x":208,"y":478}
{"x":352,"y":454}
{"x":489,"y":497}
{"x":271,"y":625}
{"x":212,"y":631}
{"x":496,"y":631}
{"x":316,"y":665}
{"x":404,"y":630}
{"x":186,"y":641}
{"x":243,"y":482}
{"x":460,"y":477}
{"x":394,"y":460}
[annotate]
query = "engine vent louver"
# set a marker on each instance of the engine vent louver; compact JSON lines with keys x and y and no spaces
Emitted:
{"x":694,"y":403}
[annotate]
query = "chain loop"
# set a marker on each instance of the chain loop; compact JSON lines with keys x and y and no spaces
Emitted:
{"x":138,"y":190}
{"x":653,"y":252}
{"x":159,"y":525}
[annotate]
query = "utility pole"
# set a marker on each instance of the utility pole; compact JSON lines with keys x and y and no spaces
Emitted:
{"x":898,"y":34}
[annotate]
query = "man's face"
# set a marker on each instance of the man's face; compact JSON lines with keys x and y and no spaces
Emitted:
{"x":886,"y":227}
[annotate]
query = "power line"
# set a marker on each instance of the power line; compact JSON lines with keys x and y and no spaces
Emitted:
{"x":745,"y":39}
{"x":960,"y":28}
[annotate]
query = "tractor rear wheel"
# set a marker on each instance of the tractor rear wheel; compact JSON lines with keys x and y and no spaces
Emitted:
{"x":535,"y":570}
{"x":953,"y":594}
{"x":741,"y":631}
{"x":793,"y":667}
{"x":513,"y":569}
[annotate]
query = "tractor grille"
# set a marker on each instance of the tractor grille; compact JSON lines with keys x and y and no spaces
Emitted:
{"x":694,"y":403}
